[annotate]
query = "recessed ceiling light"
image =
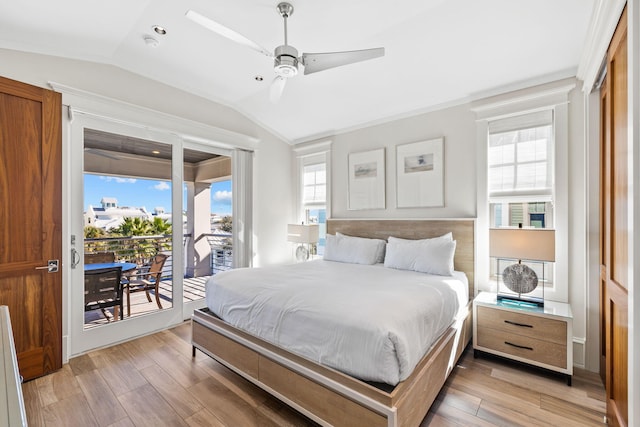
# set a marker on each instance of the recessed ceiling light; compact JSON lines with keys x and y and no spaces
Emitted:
{"x":160,"y":30}
{"x":259,"y":78}
{"x":155,"y":152}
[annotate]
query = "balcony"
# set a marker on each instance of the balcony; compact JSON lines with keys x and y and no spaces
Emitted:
{"x":139,"y":249}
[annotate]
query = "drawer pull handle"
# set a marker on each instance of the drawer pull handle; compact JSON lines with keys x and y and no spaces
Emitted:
{"x":518,"y":324}
{"x":519,"y":346}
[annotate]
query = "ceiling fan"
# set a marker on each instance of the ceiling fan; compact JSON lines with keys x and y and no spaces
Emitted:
{"x":286,"y":59}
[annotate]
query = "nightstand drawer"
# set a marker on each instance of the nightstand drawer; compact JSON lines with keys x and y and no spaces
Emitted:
{"x":523,"y":346}
{"x":541,"y":328}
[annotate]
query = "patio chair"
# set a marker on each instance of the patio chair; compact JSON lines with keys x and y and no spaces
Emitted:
{"x":103,"y":289}
{"x":99,"y":257}
{"x":147,"y":278}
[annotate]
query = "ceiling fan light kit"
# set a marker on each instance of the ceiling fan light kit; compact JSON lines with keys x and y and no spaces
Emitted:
{"x":285,"y":63}
{"x":286,"y":58}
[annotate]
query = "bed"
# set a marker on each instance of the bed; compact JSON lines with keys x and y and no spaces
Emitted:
{"x":328,"y":395}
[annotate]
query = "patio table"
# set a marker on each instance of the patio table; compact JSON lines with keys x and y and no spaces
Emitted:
{"x":126,"y":266}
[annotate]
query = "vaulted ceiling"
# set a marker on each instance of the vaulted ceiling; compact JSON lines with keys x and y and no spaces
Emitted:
{"x":438,"y":52}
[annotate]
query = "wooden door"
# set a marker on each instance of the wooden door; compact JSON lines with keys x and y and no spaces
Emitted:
{"x":615,"y":228}
{"x":31,"y":222}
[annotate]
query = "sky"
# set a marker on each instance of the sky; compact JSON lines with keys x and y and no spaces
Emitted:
{"x":134,"y":192}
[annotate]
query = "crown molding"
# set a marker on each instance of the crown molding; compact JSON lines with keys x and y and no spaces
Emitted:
{"x":605,"y":17}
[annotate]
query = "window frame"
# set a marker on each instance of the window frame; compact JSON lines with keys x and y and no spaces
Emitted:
{"x":553,"y":96}
{"x":522,"y":199}
{"x":304,"y":186}
{"x":308,"y":155}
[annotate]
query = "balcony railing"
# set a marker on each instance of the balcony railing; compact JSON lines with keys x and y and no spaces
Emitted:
{"x":221,"y":245}
{"x":221,"y":252}
{"x":139,"y":249}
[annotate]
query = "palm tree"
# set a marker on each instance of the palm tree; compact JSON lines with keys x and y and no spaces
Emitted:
{"x":91,"y":232}
{"x":133,"y":227}
{"x":161,"y":226}
{"x":140,"y":249}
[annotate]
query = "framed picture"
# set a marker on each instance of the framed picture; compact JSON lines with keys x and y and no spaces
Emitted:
{"x":420,"y":174}
{"x":366,"y":180}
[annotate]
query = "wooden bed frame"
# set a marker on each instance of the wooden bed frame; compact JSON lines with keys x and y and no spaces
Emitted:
{"x":326,"y":395}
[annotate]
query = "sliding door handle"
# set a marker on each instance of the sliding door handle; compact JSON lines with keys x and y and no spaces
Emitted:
{"x":75,"y":258}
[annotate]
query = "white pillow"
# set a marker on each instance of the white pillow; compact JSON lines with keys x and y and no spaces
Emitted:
{"x":436,"y":258}
{"x":381,"y":245}
{"x":433,"y":256}
{"x":354,"y":250}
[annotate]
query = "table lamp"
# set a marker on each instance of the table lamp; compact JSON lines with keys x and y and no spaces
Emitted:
{"x":305,"y":235}
{"x":533,"y":244}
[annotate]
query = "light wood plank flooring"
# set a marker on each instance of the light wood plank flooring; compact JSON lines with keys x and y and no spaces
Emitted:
{"x":153,"y":381}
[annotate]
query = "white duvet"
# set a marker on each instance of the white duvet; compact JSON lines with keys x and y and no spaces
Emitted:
{"x":368,"y":321}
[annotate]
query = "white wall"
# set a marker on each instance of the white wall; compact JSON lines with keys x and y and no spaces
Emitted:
{"x":455,"y":124}
{"x":272,"y":186}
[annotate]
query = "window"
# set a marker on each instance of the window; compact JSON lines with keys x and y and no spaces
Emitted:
{"x":520,"y":156}
{"x":521,"y":184}
{"x":313,"y":188}
{"x":314,"y":199}
{"x":314,"y":184}
{"x":540,"y":205}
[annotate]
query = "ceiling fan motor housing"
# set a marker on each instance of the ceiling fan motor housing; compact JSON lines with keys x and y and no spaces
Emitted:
{"x":285,"y":63}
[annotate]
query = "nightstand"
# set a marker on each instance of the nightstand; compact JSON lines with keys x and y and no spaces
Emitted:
{"x":539,"y":336}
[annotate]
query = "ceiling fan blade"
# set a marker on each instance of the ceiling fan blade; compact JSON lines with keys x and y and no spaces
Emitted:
{"x":226,"y":32}
{"x":314,"y":62}
{"x":276,"y":89}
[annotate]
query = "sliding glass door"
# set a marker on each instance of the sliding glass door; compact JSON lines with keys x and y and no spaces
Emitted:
{"x":126,"y":215}
{"x":153,"y":206}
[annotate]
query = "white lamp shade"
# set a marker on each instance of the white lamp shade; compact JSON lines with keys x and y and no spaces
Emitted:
{"x":300,"y":233}
{"x":534,"y":244}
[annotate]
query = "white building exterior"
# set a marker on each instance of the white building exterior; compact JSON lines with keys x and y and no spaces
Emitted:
{"x":110,"y":215}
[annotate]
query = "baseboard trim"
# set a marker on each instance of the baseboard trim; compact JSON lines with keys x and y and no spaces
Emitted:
{"x":579,"y":345}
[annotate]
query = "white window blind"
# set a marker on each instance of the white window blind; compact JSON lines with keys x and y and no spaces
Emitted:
{"x":521,"y":157}
{"x":314,"y":184}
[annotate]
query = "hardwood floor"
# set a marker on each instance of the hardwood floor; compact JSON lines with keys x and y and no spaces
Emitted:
{"x":153,"y":381}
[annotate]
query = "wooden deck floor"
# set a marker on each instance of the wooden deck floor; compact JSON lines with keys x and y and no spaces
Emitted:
{"x":193,"y":290}
{"x":153,"y":381}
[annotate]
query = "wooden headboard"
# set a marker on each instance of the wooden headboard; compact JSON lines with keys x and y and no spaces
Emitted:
{"x":462,"y":229}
